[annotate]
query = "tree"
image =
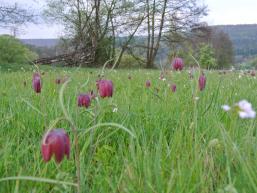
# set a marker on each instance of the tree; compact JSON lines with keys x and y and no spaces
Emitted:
{"x":223,"y":47}
{"x":207,"y":57}
{"x":13,"y":51}
{"x":14,"y":15}
{"x":94,"y":25}
{"x":166,"y":18}
{"x":218,"y":41}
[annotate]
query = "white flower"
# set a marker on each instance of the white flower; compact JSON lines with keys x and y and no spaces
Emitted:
{"x":225,"y":107}
{"x":115,"y":110}
{"x":197,"y":98}
{"x":245,"y":110}
{"x":230,"y":189}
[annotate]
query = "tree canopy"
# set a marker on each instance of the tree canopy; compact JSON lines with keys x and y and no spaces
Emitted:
{"x":13,"y":51}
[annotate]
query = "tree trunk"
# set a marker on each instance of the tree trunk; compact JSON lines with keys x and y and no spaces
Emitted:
{"x":151,"y":59}
{"x":155,"y":46}
{"x":149,"y":34}
{"x":124,"y":47}
{"x":160,"y":30}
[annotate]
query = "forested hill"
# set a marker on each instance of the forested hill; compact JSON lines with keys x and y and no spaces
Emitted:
{"x":41,"y":42}
{"x":244,"y":38}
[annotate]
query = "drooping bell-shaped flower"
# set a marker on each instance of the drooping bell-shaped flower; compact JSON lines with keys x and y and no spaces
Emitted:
{"x":177,"y":64}
{"x":202,"y":82}
{"x":105,"y":88}
{"x":84,"y":100}
{"x":55,"y":142}
{"x":148,"y":84}
{"x":173,"y":88}
{"x":253,"y":73}
{"x":37,"y":83}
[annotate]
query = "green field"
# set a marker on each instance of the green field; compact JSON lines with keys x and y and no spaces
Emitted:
{"x":150,"y":140}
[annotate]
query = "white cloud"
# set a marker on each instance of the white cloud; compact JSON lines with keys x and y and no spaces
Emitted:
{"x":231,"y":11}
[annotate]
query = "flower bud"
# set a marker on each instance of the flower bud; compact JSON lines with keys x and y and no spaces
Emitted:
{"x":202,"y":82}
{"x":37,"y":83}
{"x":148,"y":84}
{"x":58,"y":81}
{"x":173,"y":88}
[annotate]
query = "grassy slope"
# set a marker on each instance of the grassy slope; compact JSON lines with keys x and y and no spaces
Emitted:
{"x":171,"y":151}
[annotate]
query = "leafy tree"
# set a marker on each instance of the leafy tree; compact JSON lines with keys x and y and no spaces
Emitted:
{"x":242,"y":36}
{"x":207,"y":57}
{"x":218,"y":41}
{"x":13,"y":51}
{"x":223,"y":47}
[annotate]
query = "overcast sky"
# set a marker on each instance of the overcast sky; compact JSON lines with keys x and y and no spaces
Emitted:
{"x":220,"y":12}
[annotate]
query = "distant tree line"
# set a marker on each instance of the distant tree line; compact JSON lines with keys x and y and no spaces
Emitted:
{"x":244,"y":38}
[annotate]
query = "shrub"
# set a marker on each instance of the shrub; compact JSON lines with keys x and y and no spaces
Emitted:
{"x":207,"y":57}
{"x":13,"y":51}
{"x":128,"y":61}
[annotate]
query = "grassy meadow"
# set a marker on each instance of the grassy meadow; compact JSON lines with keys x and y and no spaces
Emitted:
{"x":145,"y":140}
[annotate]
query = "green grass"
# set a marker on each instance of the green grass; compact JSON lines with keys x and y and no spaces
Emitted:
{"x":180,"y":145}
{"x":24,"y":67}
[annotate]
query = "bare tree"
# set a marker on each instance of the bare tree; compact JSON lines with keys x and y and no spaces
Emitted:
{"x":14,"y":15}
{"x":93,"y":26}
{"x":166,"y":19}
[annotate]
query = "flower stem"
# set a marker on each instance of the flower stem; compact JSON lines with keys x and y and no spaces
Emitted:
{"x":77,"y":158}
{"x":75,"y":132}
